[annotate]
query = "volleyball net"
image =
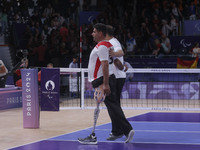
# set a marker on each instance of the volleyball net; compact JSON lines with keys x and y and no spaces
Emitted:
{"x":153,"y":89}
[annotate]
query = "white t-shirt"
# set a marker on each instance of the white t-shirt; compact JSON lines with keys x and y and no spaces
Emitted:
{"x":117,"y":46}
{"x":73,"y":65}
{"x":98,"y":54}
{"x":2,"y":64}
{"x":130,"y":43}
{"x":196,"y":51}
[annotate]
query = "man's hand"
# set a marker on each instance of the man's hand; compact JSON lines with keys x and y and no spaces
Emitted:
{"x":111,"y":53}
{"x":106,"y":89}
{"x":2,"y":69}
{"x":126,"y":68}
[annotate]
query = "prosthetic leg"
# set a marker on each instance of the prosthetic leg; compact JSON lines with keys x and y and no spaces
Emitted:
{"x":99,"y":97}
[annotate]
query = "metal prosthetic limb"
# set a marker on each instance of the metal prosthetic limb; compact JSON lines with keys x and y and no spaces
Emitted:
{"x":96,"y":115}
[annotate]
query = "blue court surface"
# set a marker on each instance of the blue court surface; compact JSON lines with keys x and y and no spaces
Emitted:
{"x":153,"y":131}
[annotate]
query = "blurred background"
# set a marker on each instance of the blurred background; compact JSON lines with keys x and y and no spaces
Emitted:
{"x":154,"y":33}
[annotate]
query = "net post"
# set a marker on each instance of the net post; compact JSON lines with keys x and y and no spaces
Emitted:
{"x":80,"y":46}
{"x":82,"y":88}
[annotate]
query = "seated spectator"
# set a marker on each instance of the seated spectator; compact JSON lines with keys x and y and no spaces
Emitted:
{"x":157,"y":48}
{"x":166,"y":44}
{"x":3,"y":73}
{"x":195,"y":50}
{"x":163,"y":46}
{"x":151,"y":42}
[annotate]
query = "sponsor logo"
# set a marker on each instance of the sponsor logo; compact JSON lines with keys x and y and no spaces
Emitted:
{"x":49,"y":86}
{"x":184,"y":43}
{"x":197,"y":26}
{"x":91,"y":18}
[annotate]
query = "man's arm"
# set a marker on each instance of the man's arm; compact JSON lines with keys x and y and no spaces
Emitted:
{"x":105,"y":69}
{"x":2,"y":69}
{"x":119,"y":53}
{"x":120,"y":66}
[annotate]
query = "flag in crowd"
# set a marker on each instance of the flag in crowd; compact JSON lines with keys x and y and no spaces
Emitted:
{"x":187,"y":62}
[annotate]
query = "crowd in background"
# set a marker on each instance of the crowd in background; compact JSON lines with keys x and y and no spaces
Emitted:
{"x":52,"y":26}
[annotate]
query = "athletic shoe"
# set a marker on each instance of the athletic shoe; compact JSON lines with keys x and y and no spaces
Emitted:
{"x":91,"y":139}
{"x":130,"y":136}
{"x":113,"y":137}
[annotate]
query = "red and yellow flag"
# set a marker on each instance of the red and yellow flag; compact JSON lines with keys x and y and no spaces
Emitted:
{"x":187,"y":63}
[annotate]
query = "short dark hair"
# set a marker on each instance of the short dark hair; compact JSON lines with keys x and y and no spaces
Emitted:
{"x":109,"y":30}
{"x":75,"y":56}
{"x":100,"y":27}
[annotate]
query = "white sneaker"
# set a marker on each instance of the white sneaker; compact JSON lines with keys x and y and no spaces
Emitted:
{"x":130,"y":136}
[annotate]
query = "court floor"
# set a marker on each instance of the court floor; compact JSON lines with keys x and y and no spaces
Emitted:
{"x":153,"y":131}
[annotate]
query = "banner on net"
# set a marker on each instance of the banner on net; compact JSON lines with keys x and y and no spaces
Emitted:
{"x":50,"y":89}
{"x":157,"y":86}
{"x":161,"y":90}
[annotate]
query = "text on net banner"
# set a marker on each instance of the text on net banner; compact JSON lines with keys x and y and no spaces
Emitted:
{"x":30,"y":98}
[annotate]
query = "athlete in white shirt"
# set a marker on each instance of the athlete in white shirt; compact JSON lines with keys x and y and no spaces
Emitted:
{"x":100,"y":72}
{"x":119,"y":71}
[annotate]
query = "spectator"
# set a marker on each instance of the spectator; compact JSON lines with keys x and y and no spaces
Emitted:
{"x":17,"y":75}
{"x":166,"y":29}
{"x":157,"y":48}
{"x":64,"y":51}
{"x":192,"y":11}
{"x":195,"y":50}
{"x":40,"y":51}
{"x":151,"y":42}
{"x":145,"y":33}
{"x":4,"y":22}
{"x":165,"y":46}
{"x":173,"y":25}
{"x":176,"y":12}
{"x":64,"y":32}
{"x":50,"y":19}
{"x":3,"y":74}
{"x":49,"y":65}
{"x":130,"y":44}
{"x":73,"y":86}
{"x":48,"y":11}
{"x":156,"y":23}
